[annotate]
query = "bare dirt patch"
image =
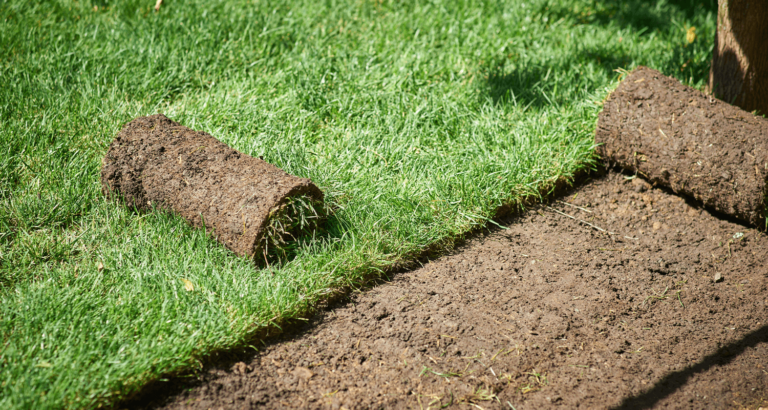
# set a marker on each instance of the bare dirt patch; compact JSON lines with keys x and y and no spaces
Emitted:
{"x":549,"y":312}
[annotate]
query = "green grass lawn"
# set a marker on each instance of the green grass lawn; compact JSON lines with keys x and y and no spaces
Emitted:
{"x":418,"y":119}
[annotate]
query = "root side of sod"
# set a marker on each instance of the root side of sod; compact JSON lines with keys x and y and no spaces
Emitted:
{"x":250,"y":206}
{"x":690,"y":142}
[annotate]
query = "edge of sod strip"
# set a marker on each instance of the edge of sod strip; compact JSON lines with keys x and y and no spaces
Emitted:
{"x":346,"y":271}
{"x":371,"y":277}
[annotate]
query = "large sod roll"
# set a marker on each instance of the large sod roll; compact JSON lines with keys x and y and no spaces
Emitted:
{"x":680,"y":138}
{"x":250,"y":206}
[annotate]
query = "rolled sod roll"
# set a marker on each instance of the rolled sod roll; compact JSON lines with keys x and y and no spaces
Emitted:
{"x":247,"y":204}
{"x":690,"y":142}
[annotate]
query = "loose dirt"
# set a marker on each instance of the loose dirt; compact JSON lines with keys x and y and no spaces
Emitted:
{"x":550,"y":312}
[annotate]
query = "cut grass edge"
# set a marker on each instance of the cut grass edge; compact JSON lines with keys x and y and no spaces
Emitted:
{"x":296,"y":216}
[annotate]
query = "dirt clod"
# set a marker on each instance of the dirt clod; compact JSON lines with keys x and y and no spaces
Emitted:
{"x":303,"y":373}
{"x":240,"y":368}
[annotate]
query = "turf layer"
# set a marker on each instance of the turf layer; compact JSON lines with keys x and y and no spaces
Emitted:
{"x":418,"y":119}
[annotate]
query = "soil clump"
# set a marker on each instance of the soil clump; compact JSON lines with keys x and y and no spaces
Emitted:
{"x":666,"y":307}
{"x":690,"y":142}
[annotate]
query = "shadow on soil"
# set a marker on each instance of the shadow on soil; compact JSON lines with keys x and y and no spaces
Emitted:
{"x":693,"y":202}
{"x":673,"y":381}
{"x":158,"y":393}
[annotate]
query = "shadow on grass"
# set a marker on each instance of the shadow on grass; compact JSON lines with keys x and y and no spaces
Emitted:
{"x":674,"y":381}
{"x":523,"y":86}
{"x":529,"y":83}
{"x":639,"y":15}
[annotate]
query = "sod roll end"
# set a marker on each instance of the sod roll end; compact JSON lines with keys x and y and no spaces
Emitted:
{"x":247,"y":204}
{"x":678,"y":137}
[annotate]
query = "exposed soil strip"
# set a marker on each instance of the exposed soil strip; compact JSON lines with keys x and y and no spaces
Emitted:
{"x":155,"y":162}
{"x":680,"y":138}
{"x":557,"y":310}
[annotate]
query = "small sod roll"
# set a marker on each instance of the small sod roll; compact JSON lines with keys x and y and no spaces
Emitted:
{"x":678,"y":137}
{"x":252,"y":207}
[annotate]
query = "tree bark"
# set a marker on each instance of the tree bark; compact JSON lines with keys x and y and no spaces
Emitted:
{"x":739,"y":72}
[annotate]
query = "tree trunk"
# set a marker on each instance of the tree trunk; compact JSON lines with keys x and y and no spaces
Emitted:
{"x":739,"y":73}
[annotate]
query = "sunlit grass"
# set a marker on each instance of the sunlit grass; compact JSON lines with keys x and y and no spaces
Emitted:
{"x":417,"y":119}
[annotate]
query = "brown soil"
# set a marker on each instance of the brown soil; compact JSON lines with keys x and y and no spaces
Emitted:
{"x":548,"y":313}
{"x":156,"y":162}
{"x":694,"y":144}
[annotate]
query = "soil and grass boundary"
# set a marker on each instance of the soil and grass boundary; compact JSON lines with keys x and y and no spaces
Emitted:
{"x":417,"y":121}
